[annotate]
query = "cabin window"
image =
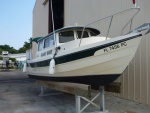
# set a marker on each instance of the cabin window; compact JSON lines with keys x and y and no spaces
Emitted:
{"x":52,"y":43}
{"x":85,"y":34}
{"x":46,"y":43}
{"x":66,"y":36}
{"x":49,"y":42}
{"x":40,"y":46}
{"x":93,"y":34}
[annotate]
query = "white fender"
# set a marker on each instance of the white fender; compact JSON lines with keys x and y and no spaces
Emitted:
{"x":52,"y":67}
{"x":24,"y":67}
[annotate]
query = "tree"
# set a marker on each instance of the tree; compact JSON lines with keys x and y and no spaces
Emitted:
{"x":11,"y":50}
{"x":13,"y":59}
{"x":1,"y":51}
{"x":7,"y":48}
{"x":22,"y":50}
{"x":25,"y":47}
{"x":1,"y":58}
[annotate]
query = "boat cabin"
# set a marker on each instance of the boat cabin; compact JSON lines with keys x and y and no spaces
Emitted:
{"x":66,"y":39}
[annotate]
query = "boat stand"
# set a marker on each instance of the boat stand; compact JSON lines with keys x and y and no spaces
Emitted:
{"x":42,"y":93}
{"x":102,"y":102}
{"x":81,"y":91}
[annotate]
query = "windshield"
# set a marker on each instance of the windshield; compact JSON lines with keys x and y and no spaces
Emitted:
{"x":66,"y":36}
{"x":49,"y":42}
{"x":85,"y":34}
{"x":40,"y":45}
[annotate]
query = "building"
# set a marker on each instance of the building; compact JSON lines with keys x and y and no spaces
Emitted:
{"x":20,"y":58}
{"x":135,"y":79}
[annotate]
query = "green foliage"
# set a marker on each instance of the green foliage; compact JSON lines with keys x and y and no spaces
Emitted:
{"x":13,"y":59}
{"x":7,"y":48}
{"x":1,"y":58}
{"x":11,"y":50}
{"x":22,"y":50}
{"x":1,"y":51}
{"x":25,"y":47}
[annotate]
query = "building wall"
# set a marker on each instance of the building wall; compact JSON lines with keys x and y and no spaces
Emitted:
{"x":40,"y":21}
{"x":18,"y":57}
{"x":136,"y":78}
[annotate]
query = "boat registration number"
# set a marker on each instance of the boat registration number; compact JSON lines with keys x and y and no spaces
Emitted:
{"x":114,"y":47}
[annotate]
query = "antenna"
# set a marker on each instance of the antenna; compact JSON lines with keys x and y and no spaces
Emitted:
{"x":52,"y":15}
{"x":134,"y":2}
{"x":52,"y":62}
{"x":53,"y":23}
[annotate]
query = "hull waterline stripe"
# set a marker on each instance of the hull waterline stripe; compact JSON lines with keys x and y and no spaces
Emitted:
{"x":77,"y":55}
{"x":89,"y":79}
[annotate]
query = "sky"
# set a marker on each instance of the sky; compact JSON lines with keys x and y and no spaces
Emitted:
{"x":15,"y":22}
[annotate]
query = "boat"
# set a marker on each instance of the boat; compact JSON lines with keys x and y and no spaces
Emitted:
{"x":78,"y":54}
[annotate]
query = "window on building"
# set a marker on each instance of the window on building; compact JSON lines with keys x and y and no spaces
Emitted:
{"x":66,"y":36}
{"x":40,"y":45}
{"x":85,"y":34}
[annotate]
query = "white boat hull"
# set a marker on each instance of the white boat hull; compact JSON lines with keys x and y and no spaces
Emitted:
{"x":106,"y":65}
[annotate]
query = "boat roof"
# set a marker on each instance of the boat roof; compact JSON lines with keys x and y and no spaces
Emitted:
{"x":79,"y":27}
{"x":67,"y":28}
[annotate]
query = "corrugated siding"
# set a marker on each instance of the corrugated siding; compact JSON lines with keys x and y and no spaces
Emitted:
{"x":136,"y":78}
{"x":40,"y":21}
{"x":40,"y":18}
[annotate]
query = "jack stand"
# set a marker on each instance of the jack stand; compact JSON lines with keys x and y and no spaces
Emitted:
{"x":102,"y":102}
{"x":41,"y":94}
{"x":41,"y":91}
